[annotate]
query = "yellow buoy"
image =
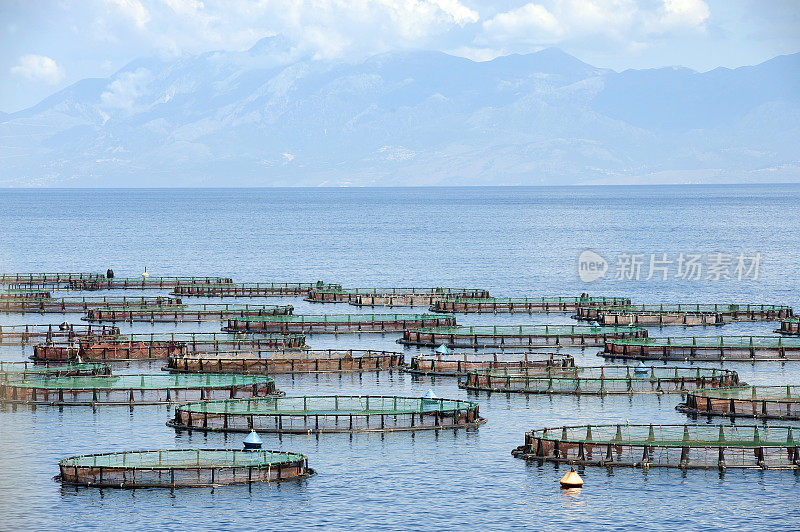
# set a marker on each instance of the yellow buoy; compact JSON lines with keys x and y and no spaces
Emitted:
{"x":571,"y":480}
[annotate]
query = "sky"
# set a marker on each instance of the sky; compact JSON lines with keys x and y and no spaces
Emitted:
{"x":46,"y":45}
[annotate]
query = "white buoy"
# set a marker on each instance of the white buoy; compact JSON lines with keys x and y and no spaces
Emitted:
{"x":442,"y":350}
{"x":252,"y":441}
{"x":430,"y":395}
{"x":640,"y":368}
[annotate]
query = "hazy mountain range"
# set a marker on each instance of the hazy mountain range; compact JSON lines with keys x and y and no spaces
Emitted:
{"x":269,"y":116}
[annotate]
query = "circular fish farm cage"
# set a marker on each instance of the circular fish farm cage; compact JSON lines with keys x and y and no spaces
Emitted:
{"x":25,"y":334}
{"x":679,"y":446}
{"x":64,"y":305}
{"x":272,"y":362}
{"x":705,"y":348}
{"x":51,"y":279}
{"x":183,"y":313}
{"x":141,"y":283}
{"x":408,"y":297}
{"x":767,"y":402}
{"x":325,"y":414}
{"x":16,"y":294}
{"x":459,"y":364}
{"x":790,"y":327}
{"x":161,"y":345}
{"x":337,"y":323}
{"x":134,"y":389}
{"x":521,"y":304}
{"x":502,"y":336}
{"x":174,"y":468}
{"x":599,"y":380}
{"x":13,"y":371}
{"x":673,"y":314}
{"x":248,"y":289}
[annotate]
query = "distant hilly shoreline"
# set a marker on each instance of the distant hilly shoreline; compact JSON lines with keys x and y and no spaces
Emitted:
{"x":267,"y":117}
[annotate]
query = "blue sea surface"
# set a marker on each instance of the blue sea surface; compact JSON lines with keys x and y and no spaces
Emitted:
{"x":511,"y":241}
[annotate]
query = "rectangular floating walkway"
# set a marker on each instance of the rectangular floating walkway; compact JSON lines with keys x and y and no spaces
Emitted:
{"x":337,"y":323}
{"x":502,"y":336}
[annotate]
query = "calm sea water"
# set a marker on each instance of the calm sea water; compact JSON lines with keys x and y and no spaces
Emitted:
{"x":512,"y":241}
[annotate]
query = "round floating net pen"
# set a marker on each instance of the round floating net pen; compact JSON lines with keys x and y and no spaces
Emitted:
{"x":458,"y":364}
{"x":680,"y":446}
{"x":337,"y":323}
{"x":134,"y":389}
{"x":333,"y":413}
{"x":14,"y":371}
{"x":491,"y":305}
{"x":767,"y":402}
{"x":174,"y":468}
{"x":182,"y":313}
{"x":599,"y":380}
{"x":515,"y":336}
{"x":271,"y":362}
{"x":684,"y":314}
{"x":705,"y":348}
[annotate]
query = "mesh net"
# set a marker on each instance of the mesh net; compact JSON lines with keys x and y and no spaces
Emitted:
{"x":182,"y":458}
{"x":682,"y":307}
{"x":529,"y":330}
{"x":343,"y":318}
{"x":711,"y":341}
{"x":329,"y":405}
{"x":143,"y":382}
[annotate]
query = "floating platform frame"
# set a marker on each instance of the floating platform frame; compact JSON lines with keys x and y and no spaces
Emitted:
{"x":337,"y":323}
{"x":599,"y":380}
{"x":249,"y":289}
{"x":789,"y":327}
{"x":502,"y":336}
{"x":176,"y":468}
{"x":312,"y":361}
{"x":522,"y":304}
{"x":16,"y":294}
{"x":710,"y":312}
{"x":391,"y":297}
{"x":765,"y":402}
{"x":184,"y":313}
{"x":80,"y":304}
{"x":459,"y":364}
{"x":142,"y":283}
{"x":12,"y":371}
{"x":25,"y":334}
{"x":162,"y":345}
{"x":705,"y":348}
{"x":134,"y":389}
{"x":327,"y":414}
{"x":679,"y":446}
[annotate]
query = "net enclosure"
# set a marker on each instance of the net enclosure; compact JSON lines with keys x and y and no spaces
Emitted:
{"x":789,"y":327}
{"x":66,"y":305}
{"x":173,"y":468}
{"x":161,"y":345}
{"x":724,"y":312}
{"x":704,"y":348}
{"x":327,"y":413}
{"x":14,"y":371}
{"x":458,"y":364}
{"x":141,"y":283}
{"x":680,"y":446}
{"x":250,"y":289}
{"x":183,"y":313}
{"x":500,"y":336}
{"x":337,"y":323}
{"x":390,"y":297}
{"x":134,"y":389}
{"x":25,"y":334}
{"x":767,"y":402}
{"x":271,"y":362}
{"x":599,"y":380}
{"x":521,"y":304}
{"x":52,"y":279}
{"x":22,"y":293}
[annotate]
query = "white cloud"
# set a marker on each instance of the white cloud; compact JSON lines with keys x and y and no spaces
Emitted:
{"x":123,"y":91}
{"x":133,"y":9}
{"x":625,"y":21}
{"x":38,"y":68}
